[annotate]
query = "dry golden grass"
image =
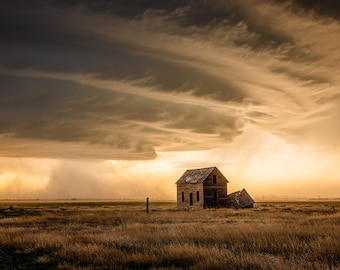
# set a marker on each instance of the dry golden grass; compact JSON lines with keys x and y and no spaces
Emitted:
{"x":300,"y":235}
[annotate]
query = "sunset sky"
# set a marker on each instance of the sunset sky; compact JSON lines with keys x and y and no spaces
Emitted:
{"x":116,"y":99}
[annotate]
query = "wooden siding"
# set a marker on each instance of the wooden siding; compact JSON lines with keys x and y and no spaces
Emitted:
{"x":212,"y":188}
{"x":188,"y":189}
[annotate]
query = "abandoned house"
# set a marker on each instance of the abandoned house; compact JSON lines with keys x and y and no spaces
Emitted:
{"x":207,"y":187}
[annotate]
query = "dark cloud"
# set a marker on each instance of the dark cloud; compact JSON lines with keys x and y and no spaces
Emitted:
{"x":47,"y":43}
{"x":129,"y":77}
{"x":59,"y":111}
{"x":63,"y":38}
{"x":30,"y":22}
{"x":327,"y":8}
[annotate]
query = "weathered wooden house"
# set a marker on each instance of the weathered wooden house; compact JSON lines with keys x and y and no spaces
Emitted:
{"x":207,"y":187}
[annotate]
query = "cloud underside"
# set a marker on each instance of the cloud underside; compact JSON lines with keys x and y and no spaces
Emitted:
{"x":68,"y":119}
{"x":123,"y":81}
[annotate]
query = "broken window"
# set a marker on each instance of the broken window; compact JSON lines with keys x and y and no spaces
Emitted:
{"x":214,"y":179}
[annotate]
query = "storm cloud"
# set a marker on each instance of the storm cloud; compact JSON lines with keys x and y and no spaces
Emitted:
{"x":127,"y":80}
{"x":124,"y":78}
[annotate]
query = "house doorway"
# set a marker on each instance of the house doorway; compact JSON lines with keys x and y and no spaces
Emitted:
{"x":215,"y":196}
{"x":190,"y":198}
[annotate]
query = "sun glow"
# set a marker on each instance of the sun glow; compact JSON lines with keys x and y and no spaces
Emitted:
{"x":264,"y":164}
{"x":274,"y":159}
{"x":258,"y":161}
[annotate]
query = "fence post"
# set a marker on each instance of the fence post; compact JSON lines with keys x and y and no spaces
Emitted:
{"x":147,"y":204}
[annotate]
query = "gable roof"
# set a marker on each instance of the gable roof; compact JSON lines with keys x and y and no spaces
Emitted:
{"x":195,"y":175}
{"x":239,"y":199}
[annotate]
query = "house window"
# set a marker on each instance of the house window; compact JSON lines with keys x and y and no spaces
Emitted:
{"x":215,"y":196}
{"x":214,"y":179}
{"x":198,"y":196}
{"x":182,"y":196}
{"x":191,"y":200}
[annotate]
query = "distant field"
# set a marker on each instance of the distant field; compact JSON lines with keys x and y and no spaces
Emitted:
{"x":121,"y":235}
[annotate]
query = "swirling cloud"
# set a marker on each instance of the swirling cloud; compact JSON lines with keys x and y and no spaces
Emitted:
{"x":125,"y":80}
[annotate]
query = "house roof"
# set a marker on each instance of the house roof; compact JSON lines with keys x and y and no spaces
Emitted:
{"x":239,"y":199}
{"x":195,"y":175}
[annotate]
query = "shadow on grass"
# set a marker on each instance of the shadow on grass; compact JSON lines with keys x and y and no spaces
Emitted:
{"x":12,"y":259}
{"x":17,"y":212}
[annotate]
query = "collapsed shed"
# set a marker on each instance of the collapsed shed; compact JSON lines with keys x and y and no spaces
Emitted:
{"x":240,"y":199}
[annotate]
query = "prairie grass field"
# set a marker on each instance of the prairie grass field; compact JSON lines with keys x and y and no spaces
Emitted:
{"x":121,"y":235}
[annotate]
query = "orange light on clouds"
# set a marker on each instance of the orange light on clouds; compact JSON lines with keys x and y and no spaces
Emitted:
{"x":263,"y":163}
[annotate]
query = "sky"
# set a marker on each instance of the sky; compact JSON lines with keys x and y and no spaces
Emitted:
{"x":116,"y":99}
